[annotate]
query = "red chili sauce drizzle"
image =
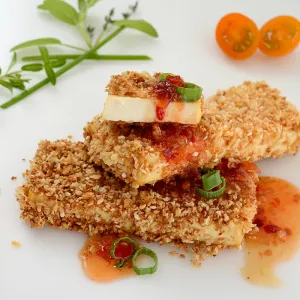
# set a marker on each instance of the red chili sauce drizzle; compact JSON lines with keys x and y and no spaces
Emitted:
{"x":185,"y":185}
{"x":278,"y":236}
{"x":97,"y":263}
{"x":178,"y":142}
{"x":165,"y":91}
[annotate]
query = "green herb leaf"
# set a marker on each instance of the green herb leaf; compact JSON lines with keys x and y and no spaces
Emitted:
{"x":19,"y":76}
{"x":61,"y":10}
{"x":37,"y":42}
{"x":91,"y":3}
{"x":58,"y":63}
{"x":6,"y":85}
{"x":81,"y":5}
{"x":49,"y":71}
{"x":13,"y":62}
{"x":33,"y":67}
{"x":140,"y":25}
{"x":19,"y":84}
{"x":16,"y":81}
{"x":0,"y":71}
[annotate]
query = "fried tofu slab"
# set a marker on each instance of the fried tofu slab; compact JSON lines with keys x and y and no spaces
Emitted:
{"x":62,"y":189}
{"x":244,"y":123}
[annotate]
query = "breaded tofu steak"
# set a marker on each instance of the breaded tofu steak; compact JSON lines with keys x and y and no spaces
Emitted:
{"x":63,"y":189}
{"x":244,"y":123}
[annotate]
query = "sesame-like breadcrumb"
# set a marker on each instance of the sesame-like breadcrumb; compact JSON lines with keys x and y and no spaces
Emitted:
{"x":62,"y":189}
{"x":245,"y":123}
{"x":132,"y":84}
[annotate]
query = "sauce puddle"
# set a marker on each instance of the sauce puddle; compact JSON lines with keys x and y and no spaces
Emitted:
{"x":97,"y":263}
{"x":277,"y":240}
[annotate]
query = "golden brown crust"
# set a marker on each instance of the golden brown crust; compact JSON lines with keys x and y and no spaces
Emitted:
{"x":245,"y":123}
{"x":251,"y":122}
{"x":134,"y":158}
{"x":63,"y":190}
{"x":132,"y":84}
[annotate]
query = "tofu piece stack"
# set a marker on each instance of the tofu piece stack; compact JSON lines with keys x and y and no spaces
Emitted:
{"x":140,"y":97}
{"x":245,"y":123}
{"x":138,"y":169}
{"x":62,"y":189}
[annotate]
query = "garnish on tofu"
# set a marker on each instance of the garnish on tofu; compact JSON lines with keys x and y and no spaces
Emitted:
{"x":213,"y":183}
{"x":163,"y":97}
{"x":172,"y":88}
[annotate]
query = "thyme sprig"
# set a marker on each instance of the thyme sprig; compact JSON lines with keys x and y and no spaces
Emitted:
{"x":66,"y":13}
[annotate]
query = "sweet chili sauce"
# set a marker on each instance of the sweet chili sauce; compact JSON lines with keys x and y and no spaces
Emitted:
{"x":97,"y":263}
{"x":177,"y":142}
{"x":165,"y":92}
{"x":278,"y":231}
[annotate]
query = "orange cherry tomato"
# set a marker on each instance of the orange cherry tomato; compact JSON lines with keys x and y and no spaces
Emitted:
{"x":237,"y":35}
{"x":280,"y":36}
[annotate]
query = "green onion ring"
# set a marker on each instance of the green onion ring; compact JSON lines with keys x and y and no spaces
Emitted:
{"x":211,"y":180}
{"x":145,"y":271}
{"x":212,"y":194}
{"x":190,"y":92}
{"x":163,"y":76}
{"x":122,"y":263}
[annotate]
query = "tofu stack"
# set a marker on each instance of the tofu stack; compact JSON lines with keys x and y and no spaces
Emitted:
{"x":142,"y":166}
{"x":245,"y":123}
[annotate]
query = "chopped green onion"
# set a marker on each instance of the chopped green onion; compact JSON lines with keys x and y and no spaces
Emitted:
{"x":163,"y":76}
{"x":122,"y":263}
{"x":212,"y":194}
{"x":211,"y":180}
{"x":190,"y":92}
{"x":144,"y":271}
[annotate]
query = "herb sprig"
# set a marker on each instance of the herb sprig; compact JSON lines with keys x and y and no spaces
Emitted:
{"x":47,"y":62}
{"x":11,"y":80}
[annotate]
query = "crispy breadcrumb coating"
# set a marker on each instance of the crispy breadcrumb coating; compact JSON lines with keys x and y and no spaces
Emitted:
{"x":62,"y":189}
{"x":132,"y":84}
{"x":245,"y":123}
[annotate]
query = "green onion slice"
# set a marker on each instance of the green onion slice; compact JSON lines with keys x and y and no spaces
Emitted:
{"x":163,"y":76}
{"x":145,"y":271}
{"x":190,"y":92}
{"x":122,"y":263}
{"x":212,"y":194}
{"x":211,"y":180}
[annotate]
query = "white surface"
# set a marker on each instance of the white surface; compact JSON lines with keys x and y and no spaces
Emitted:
{"x":129,"y":109}
{"x":46,"y":266}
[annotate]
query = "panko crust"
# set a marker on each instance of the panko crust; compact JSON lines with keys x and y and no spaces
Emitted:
{"x":244,"y":123}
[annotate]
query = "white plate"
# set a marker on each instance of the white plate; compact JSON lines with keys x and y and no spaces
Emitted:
{"x":46,"y":265}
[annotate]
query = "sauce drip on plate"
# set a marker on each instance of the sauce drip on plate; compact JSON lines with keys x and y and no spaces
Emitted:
{"x":97,"y":263}
{"x":278,"y":235}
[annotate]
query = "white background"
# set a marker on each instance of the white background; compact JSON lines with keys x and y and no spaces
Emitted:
{"x":46,"y":266}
